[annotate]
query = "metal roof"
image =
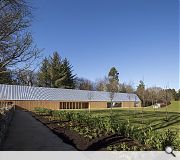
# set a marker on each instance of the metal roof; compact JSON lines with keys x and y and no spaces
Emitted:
{"x":16,"y":92}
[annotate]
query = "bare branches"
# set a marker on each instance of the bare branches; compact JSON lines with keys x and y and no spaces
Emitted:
{"x":16,"y":42}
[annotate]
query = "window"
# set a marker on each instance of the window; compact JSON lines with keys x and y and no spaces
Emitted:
{"x":114,"y":105}
{"x":73,"y":105}
{"x":84,"y":105}
{"x":60,"y":105}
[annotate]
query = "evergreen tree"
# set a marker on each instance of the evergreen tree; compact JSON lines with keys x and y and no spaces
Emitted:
{"x":69,"y":79}
{"x":113,"y":85}
{"x":5,"y":76}
{"x":113,"y":74}
{"x":141,"y":91}
{"x":113,"y":77}
{"x":44,"y":77}
{"x":56,"y":70}
{"x":56,"y":73}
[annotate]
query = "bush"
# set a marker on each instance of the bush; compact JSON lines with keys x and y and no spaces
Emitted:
{"x":93,"y":126}
{"x":43,"y":111}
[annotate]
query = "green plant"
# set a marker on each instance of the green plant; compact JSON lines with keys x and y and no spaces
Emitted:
{"x":91,"y":126}
{"x":43,"y":111}
{"x":124,"y":147}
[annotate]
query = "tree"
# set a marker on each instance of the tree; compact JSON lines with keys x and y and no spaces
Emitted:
{"x":129,"y":89}
{"x":69,"y":80}
{"x":166,"y":98}
{"x":112,"y":89}
{"x":101,"y":85}
{"x":151,"y":95}
{"x":16,"y":42}
{"x":126,"y":88}
{"x":173,"y":94}
{"x":113,"y":85}
{"x":141,"y":92}
{"x":84,"y":84}
{"x":25,"y":77}
{"x":178,"y":95}
{"x":44,"y":77}
{"x":5,"y":76}
{"x":113,"y":74}
{"x":56,"y":71}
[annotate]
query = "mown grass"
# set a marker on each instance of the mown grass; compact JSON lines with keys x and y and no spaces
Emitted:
{"x":157,"y":118}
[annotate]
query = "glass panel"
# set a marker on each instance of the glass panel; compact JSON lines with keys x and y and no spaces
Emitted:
{"x":70,"y":105}
{"x":74,"y":105}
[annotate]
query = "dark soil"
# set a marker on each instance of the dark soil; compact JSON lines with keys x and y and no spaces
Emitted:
{"x":82,"y":143}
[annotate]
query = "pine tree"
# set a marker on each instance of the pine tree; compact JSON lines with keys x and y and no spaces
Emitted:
{"x":113,"y":85}
{"x":113,"y":77}
{"x":69,"y":78}
{"x":56,"y":70}
{"x":113,"y":74}
{"x":44,"y":77}
{"x":56,"y":73}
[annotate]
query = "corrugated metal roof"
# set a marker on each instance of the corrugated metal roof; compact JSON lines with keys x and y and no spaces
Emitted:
{"x":15,"y":92}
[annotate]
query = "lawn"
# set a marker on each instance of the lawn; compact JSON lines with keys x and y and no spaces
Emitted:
{"x":155,"y":117}
{"x":173,"y":107}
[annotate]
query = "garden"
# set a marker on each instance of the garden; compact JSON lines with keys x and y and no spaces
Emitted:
{"x":116,"y":129}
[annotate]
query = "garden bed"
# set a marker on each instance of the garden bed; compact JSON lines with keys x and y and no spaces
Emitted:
{"x":64,"y":129}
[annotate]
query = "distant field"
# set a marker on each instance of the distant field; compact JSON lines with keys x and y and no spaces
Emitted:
{"x":173,"y":107}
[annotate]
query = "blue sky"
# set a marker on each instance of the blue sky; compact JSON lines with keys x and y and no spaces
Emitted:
{"x":138,"y":37}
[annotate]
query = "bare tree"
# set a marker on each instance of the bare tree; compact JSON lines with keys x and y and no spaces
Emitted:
{"x":168,"y":97}
{"x":112,"y":88}
{"x":135,"y":99}
{"x":84,"y":84}
{"x":16,"y":43}
{"x":129,"y":89}
{"x":101,"y":84}
{"x":126,"y":88}
{"x":25,"y":77}
{"x":141,"y":93}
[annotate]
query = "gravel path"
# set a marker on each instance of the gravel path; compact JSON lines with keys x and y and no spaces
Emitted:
{"x":28,"y":134}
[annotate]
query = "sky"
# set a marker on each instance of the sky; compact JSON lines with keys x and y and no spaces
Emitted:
{"x":138,"y":37}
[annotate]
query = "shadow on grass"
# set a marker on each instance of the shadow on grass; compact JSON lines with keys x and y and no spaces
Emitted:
{"x":172,"y":120}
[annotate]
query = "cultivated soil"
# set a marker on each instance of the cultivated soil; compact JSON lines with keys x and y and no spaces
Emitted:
{"x":83,"y":143}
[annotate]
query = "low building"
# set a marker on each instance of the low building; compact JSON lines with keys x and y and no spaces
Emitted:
{"x":27,"y":97}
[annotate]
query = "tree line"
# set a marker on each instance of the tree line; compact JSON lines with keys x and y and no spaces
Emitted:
{"x":19,"y":58}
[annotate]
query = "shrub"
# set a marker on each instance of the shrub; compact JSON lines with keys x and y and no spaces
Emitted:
{"x":43,"y":111}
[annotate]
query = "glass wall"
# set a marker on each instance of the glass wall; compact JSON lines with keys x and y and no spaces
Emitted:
{"x":73,"y":105}
{"x":114,"y":104}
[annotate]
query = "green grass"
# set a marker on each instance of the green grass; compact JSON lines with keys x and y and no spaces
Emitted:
{"x":173,"y":107}
{"x":157,"y":117}
{"x":144,"y":117}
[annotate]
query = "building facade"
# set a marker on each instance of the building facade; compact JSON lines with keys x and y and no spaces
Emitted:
{"x":27,"y":97}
